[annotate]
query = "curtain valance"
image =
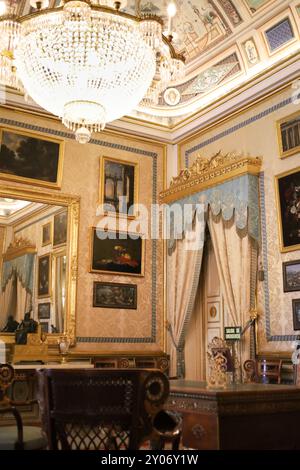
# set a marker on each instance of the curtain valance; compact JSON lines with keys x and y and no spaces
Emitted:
{"x":237,"y":198}
{"x":19,"y":261}
{"x":227,"y":184}
{"x":22,"y":267}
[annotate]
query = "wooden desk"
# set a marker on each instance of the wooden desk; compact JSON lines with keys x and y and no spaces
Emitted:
{"x":246,"y":416}
{"x":24,"y":388}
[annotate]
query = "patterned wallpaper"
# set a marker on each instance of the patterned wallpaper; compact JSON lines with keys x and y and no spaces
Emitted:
{"x":254,"y":132}
{"x":109,"y":329}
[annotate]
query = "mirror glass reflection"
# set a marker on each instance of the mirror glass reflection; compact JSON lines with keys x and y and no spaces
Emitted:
{"x":33,"y":266}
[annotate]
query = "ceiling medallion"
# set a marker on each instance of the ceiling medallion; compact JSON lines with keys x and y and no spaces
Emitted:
{"x":87,"y":61}
{"x":172,"y":96}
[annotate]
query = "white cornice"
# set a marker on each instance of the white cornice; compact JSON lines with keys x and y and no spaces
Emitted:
{"x":257,"y":88}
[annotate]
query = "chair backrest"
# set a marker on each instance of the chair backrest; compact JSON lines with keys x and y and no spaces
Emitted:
{"x":96,"y":409}
{"x":6,"y":379}
{"x":264,"y":370}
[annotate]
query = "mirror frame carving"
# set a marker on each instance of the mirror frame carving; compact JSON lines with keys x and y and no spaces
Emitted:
{"x":72,"y":203}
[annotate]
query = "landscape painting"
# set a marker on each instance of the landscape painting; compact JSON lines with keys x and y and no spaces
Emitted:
{"x":114,"y":295}
{"x":30,"y":159}
{"x":291,"y":276}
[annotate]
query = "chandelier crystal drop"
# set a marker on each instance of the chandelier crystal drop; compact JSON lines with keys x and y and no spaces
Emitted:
{"x":87,"y":62}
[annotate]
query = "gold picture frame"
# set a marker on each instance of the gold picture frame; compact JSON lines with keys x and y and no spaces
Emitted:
{"x":72,"y":204}
{"x":10,"y":170}
{"x":113,"y":183}
{"x":286,"y":217}
{"x":125,"y":256}
{"x":290,"y":136}
{"x":47,"y":234}
{"x":44,"y":275}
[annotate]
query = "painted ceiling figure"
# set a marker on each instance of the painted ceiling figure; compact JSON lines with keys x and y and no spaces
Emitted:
{"x":206,"y":15}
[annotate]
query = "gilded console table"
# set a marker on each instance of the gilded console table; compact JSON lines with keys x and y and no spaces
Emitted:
{"x":246,"y":416}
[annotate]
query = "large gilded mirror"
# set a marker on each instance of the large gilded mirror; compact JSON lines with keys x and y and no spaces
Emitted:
{"x":38,"y":261}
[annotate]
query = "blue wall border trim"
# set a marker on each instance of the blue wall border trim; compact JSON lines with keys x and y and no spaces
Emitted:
{"x":269,"y":336}
{"x":138,"y":151}
{"x":238,"y":126}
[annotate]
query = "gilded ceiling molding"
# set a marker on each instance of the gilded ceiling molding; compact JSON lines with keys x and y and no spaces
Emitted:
{"x":207,"y":172}
{"x":19,"y":247}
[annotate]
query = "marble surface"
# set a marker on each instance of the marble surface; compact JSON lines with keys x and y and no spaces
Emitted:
{"x":55,"y":365}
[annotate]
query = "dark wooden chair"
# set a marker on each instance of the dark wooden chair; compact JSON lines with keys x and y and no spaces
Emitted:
{"x":16,"y":436}
{"x":263,"y":371}
{"x":100,"y":409}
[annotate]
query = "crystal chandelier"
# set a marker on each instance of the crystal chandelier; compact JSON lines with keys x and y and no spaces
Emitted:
{"x":87,"y":61}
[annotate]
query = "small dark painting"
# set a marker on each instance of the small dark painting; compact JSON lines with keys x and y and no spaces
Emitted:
{"x":44,"y":271}
{"x":46,"y":234}
{"x":113,"y":295}
{"x":117,"y":252}
{"x":44,"y":311}
{"x":288,"y":188}
{"x":30,"y":159}
{"x":289,"y":135}
{"x":60,"y":228}
{"x":296,"y":314}
{"x":44,"y":326}
{"x":291,"y":276}
{"x":118,"y":186}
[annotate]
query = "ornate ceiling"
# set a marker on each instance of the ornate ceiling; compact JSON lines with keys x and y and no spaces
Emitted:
{"x":227,"y":43}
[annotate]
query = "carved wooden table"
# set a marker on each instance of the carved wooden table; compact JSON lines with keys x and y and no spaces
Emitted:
{"x":246,"y":416}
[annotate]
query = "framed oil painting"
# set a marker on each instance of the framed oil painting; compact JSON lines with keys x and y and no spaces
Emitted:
{"x":113,"y":295}
{"x":287,"y":187}
{"x":29,"y":158}
{"x":47,"y":234}
{"x":60,"y":228}
{"x":44,"y":311}
{"x":291,"y":276}
{"x":44,"y":276}
{"x":288,"y":130}
{"x":296,"y":314}
{"x":118,"y":186}
{"x":117,"y":252}
{"x":44,"y":326}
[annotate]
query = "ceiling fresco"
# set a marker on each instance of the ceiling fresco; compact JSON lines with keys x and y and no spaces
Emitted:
{"x":255,"y":5}
{"x":198,"y":24}
{"x":225,"y":43}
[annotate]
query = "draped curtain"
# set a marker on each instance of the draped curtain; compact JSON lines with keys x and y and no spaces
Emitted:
{"x":233,"y":256}
{"x":184,"y":265}
{"x":6,"y":302}
{"x":17,"y":285}
{"x":232,"y":210}
{"x":22,"y":267}
{"x":23,"y":301}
